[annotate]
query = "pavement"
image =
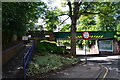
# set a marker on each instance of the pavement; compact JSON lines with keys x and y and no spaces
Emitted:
{"x":89,"y":71}
{"x":111,"y":62}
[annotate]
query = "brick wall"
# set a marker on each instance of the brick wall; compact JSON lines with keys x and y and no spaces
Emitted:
{"x":8,"y":54}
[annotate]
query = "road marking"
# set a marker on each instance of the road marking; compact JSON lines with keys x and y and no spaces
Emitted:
{"x":105,"y":72}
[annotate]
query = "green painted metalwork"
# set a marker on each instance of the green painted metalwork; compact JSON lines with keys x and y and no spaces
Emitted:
{"x":93,"y":35}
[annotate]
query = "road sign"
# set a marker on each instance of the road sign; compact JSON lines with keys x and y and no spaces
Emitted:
{"x":47,"y":35}
{"x":86,"y":35}
{"x":24,"y":37}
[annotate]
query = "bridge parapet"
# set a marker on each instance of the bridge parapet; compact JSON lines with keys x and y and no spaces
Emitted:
{"x":93,"y":35}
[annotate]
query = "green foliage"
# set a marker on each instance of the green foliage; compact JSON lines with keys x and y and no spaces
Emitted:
{"x":118,"y":27}
{"x":106,"y":23}
{"x":65,"y":28}
{"x":44,"y":64}
{"x":118,"y":32}
{"x":87,"y":23}
{"x":80,"y":43}
{"x":104,"y":20}
{"x":66,"y":43}
{"x":49,"y":47}
{"x":18,"y":17}
{"x":52,"y":20}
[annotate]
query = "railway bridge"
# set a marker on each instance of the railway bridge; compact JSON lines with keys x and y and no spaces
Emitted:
{"x":106,"y":41}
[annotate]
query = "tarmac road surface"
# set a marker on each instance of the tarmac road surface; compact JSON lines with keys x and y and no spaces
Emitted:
{"x":110,"y":62}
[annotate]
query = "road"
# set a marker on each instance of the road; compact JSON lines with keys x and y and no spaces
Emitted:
{"x":111,"y":62}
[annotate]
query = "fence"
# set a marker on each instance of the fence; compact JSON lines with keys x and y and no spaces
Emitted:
{"x":27,"y":58}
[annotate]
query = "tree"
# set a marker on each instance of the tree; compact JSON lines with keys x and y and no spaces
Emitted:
{"x":106,"y":23}
{"x":79,"y":8}
{"x":51,"y":19}
{"x":88,"y":23}
{"x":118,"y":32}
{"x":65,"y":28}
{"x":118,"y":21}
{"x":18,"y":17}
{"x":91,"y":15}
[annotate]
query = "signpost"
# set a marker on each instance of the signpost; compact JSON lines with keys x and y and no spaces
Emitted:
{"x":47,"y":35}
{"x":25,"y":39}
{"x":86,"y":35}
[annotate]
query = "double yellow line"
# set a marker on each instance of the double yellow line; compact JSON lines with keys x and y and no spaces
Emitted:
{"x":105,"y":72}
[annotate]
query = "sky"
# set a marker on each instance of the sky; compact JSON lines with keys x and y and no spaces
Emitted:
{"x":56,"y":3}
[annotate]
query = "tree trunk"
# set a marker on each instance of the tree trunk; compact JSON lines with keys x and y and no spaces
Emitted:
{"x":73,"y":37}
{"x":74,"y":18}
{"x":73,"y":13}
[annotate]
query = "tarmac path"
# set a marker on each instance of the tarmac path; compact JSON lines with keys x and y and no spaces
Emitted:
{"x":110,"y":62}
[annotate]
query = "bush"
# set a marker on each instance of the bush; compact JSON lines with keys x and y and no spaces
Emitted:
{"x":66,"y":44}
{"x":50,"y":47}
{"x":44,"y":64}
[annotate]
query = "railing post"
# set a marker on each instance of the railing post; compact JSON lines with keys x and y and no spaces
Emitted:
{"x":24,"y":71}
